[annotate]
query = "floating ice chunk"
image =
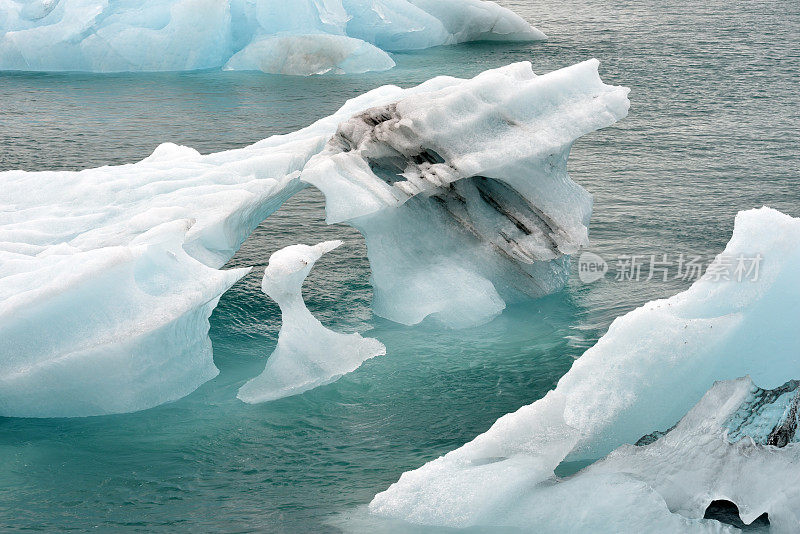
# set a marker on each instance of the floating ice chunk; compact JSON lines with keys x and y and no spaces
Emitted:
{"x":268,"y":35}
{"x":415,"y":24}
{"x":310,"y":54}
{"x":439,"y":258}
{"x":462,"y":191}
{"x":643,"y":375}
{"x":114,"y":36}
{"x":308,"y":355}
{"x":108,"y":275}
{"x":476,"y":20}
{"x":102,"y":310}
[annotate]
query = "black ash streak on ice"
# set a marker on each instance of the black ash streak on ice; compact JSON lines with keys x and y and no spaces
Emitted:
{"x":427,"y":172}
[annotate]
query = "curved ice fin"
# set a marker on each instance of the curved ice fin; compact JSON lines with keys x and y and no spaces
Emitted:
{"x":308,"y":355}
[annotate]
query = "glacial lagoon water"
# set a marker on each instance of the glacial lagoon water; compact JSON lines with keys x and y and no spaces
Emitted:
{"x":714,"y":128}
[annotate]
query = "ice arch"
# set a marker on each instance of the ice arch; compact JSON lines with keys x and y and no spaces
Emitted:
{"x":124,"y":260}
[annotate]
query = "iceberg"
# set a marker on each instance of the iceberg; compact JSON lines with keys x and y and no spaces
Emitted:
{"x":642,"y":376}
{"x":109,"y":330}
{"x":300,"y":38}
{"x":738,"y":446}
{"x":113,"y":261}
{"x":310,"y":54}
{"x":462,"y":192}
{"x":308,"y":355}
{"x":108,"y":275}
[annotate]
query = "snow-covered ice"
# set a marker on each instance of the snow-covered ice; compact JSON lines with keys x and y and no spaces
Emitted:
{"x":462,"y":191}
{"x":106,"y":260}
{"x":300,"y":37}
{"x":308,"y":355}
{"x":642,"y":376}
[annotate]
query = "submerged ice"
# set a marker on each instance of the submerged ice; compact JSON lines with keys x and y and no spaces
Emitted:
{"x":308,"y":355}
{"x":300,"y":37}
{"x":459,"y":186}
{"x":643,"y":376}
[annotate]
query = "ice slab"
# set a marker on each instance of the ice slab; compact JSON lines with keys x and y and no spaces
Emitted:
{"x":738,"y":446}
{"x":308,"y":355}
{"x":643,"y":375}
{"x":109,"y":330}
{"x":300,"y":37}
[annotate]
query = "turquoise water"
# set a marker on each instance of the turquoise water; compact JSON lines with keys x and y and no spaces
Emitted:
{"x":713,"y":129}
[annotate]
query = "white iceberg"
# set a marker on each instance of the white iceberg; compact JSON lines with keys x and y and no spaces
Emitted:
{"x":166,"y":223}
{"x":643,"y":375}
{"x":108,"y":275}
{"x":310,"y":54}
{"x":416,"y":24}
{"x":462,"y":191}
{"x":301,"y":37}
{"x":308,"y":355}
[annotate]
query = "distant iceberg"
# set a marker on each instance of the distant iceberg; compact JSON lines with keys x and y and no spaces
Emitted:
{"x":300,"y":37}
{"x":308,"y":355}
{"x":641,"y":377}
{"x":108,"y":275}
